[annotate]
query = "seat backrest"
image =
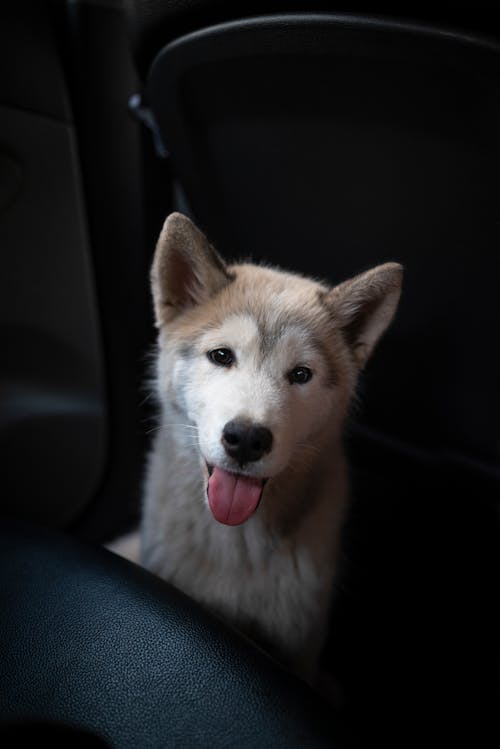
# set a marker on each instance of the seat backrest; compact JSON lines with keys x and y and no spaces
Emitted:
{"x":53,"y":425}
{"x":74,"y":288}
{"x":327,"y":144}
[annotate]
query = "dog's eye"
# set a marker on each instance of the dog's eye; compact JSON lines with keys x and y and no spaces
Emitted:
{"x":224,"y":357}
{"x":300,"y":375}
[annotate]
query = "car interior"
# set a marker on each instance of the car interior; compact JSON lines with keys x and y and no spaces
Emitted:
{"x":321,"y":138}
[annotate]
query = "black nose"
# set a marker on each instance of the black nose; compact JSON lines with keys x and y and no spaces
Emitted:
{"x":246,"y":442}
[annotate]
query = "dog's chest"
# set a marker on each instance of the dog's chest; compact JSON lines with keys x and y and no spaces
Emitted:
{"x":256,"y":584}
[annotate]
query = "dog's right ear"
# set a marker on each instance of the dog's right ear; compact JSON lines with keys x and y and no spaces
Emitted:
{"x":186,"y":270}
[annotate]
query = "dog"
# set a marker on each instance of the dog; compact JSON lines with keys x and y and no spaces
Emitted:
{"x":246,"y":488}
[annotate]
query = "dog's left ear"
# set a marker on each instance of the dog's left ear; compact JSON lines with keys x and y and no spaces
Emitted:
{"x":365,"y":305}
{"x":186,"y":269}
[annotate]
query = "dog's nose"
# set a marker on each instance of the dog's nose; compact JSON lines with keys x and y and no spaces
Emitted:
{"x":246,"y":442}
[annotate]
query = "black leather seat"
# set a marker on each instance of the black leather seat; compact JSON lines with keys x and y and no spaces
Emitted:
{"x":93,"y":642}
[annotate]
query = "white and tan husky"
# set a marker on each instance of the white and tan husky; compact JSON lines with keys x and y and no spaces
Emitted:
{"x":246,"y":482}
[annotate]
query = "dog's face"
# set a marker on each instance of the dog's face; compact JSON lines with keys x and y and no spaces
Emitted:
{"x":260,"y":364}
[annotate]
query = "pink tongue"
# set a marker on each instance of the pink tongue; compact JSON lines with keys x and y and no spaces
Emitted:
{"x":232,"y":498}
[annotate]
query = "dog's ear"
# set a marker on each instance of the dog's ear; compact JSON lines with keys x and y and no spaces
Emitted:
{"x":186,"y":269}
{"x":365,"y":305}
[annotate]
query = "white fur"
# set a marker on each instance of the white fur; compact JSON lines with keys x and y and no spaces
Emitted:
{"x":245,"y":572}
{"x":249,"y":572}
{"x":272,"y":575}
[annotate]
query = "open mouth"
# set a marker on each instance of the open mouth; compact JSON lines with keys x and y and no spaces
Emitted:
{"x":233,"y":497}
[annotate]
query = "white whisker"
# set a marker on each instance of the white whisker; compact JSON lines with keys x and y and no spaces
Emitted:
{"x":308,"y":446}
{"x":148,"y":396}
{"x":185,"y":426}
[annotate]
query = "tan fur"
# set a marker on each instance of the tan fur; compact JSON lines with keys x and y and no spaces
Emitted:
{"x":126,"y":546}
{"x":271,"y":576}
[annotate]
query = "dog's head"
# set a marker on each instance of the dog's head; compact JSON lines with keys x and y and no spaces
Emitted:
{"x":260,"y":364}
